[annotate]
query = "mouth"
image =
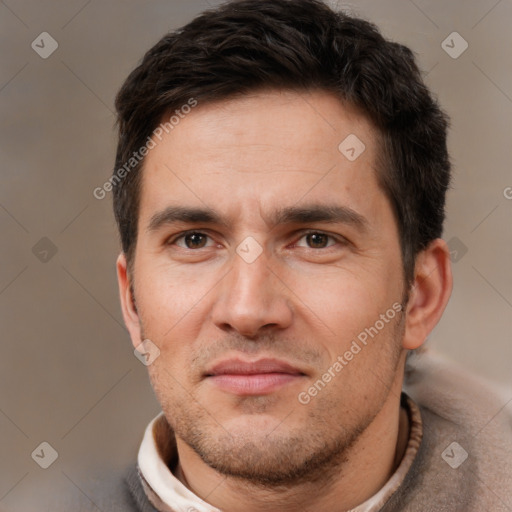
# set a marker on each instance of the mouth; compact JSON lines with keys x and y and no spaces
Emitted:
{"x":260,"y":377}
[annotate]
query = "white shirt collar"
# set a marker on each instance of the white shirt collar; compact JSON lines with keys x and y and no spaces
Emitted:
{"x":165,"y":486}
{"x":167,"y":493}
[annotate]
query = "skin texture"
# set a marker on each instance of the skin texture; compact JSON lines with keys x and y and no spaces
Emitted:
{"x":303,"y":300}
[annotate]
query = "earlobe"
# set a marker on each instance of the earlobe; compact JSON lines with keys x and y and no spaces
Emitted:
{"x":429,"y":294}
{"x":128,"y":306}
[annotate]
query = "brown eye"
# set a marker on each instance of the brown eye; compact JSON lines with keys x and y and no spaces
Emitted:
{"x":195,"y":241}
{"x":192,"y":241}
{"x":317,"y":240}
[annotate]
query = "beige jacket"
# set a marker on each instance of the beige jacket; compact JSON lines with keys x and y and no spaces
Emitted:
{"x":463,"y":464}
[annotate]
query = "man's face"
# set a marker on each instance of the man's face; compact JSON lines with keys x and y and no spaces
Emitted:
{"x":251,"y":308}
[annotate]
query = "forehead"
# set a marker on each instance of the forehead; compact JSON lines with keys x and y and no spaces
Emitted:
{"x":248,"y":154}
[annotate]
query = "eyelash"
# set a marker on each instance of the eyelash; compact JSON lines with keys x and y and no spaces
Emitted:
{"x":339,"y":239}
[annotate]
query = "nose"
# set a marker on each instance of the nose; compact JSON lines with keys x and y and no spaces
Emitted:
{"x":251,"y":299}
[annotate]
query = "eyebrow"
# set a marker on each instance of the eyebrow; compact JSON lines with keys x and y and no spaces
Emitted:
{"x":320,"y":213}
{"x":174,"y":214}
{"x":290,"y":215}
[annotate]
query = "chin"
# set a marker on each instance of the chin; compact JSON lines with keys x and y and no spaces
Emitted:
{"x":254,"y":427}
{"x":269,"y":458}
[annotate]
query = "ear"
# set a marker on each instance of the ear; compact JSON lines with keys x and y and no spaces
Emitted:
{"x":429,"y":293}
{"x":130,"y":314}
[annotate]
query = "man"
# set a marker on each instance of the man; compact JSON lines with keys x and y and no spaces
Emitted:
{"x":279,"y":188}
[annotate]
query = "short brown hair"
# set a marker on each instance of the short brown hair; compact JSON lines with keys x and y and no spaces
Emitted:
{"x":249,"y":45}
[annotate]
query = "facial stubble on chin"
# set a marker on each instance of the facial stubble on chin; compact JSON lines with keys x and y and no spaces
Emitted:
{"x":279,"y":459}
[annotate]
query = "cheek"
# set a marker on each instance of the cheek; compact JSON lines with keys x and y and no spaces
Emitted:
{"x":171,"y":303}
{"x":334,"y":305}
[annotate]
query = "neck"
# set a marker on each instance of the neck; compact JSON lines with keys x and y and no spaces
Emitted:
{"x":371,"y":461}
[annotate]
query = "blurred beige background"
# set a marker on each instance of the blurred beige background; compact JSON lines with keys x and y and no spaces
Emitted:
{"x":68,"y":375}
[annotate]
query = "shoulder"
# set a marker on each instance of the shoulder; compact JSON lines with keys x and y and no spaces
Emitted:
{"x":116,"y":490}
{"x":450,"y":392}
{"x":464,"y":459}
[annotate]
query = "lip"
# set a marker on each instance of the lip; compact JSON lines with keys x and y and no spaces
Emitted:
{"x":259,"y":377}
